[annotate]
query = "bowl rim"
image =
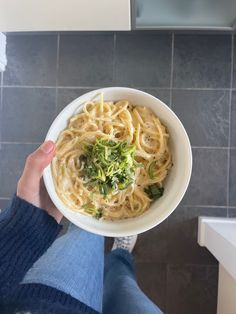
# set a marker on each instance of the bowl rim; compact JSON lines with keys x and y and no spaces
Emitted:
{"x":56,"y":200}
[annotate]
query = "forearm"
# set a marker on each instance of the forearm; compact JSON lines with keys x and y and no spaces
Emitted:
{"x":26,"y":232}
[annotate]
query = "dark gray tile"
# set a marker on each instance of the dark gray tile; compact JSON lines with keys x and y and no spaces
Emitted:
{"x":234,"y":65}
{"x":11,"y":165}
{"x":232,"y":212}
{"x":205,"y":115}
{"x":162,"y":94}
{"x":4,"y":203}
{"x":86,"y":60}
{"x":67,"y":95}
{"x":233,"y":119}
{"x":31,"y":60}
{"x":152,"y":245}
{"x":183,"y":232}
{"x":208,"y":184}
{"x":152,"y":280}
{"x":0,"y":114}
{"x":191,"y":289}
{"x":27,"y":113}
{"x":143,"y":60}
{"x":202,"y":61}
{"x":232,"y":178}
{"x":108,"y":244}
{"x":65,"y":224}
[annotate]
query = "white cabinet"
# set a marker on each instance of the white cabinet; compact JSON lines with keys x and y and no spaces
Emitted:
{"x":226,"y":303}
{"x":218,"y":235}
{"x":64,"y":15}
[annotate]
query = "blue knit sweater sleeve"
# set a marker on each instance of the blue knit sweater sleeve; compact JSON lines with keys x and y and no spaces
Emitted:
{"x":26,"y":232}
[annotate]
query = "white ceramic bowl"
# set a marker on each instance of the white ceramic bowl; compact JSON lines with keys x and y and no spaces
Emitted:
{"x":175,"y":185}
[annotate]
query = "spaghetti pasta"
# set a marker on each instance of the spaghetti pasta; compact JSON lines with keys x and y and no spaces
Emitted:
{"x":133,"y":138}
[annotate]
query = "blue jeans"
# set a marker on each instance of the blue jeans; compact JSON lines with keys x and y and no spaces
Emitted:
{"x":74,"y":264}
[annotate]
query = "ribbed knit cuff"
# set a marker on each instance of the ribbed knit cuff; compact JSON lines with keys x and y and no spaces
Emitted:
{"x":26,"y":232}
{"x":49,"y":300}
{"x":24,"y":216}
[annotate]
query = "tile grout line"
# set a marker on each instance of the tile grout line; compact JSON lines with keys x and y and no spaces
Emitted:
{"x":114,"y":58}
{"x":166,"y":279}
{"x":171,"y":67}
{"x":206,"y":205}
{"x":229,"y":134}
{"x":28,"y":86}
{"x":166,"y":264}
{"x":202,"y":88}
{"x":57,"y":71}
{"x":211,"y":147}
{"x":141,"y":87}
{"x":20,"y":143}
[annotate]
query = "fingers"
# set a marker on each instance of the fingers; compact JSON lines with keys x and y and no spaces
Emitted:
{"x":35,"y":164}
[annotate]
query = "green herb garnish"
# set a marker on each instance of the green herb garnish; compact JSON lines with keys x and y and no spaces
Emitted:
{"x":154,"y":191}
{"x":109,"y":165}
{"x":151,"y":169}
{"x":93,"y":211}
{"x":99,"y":213}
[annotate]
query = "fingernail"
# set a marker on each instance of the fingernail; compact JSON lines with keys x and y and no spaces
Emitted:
{"x":47,"y":147}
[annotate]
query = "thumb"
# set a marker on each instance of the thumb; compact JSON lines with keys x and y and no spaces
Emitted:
{"x":34,"y":166}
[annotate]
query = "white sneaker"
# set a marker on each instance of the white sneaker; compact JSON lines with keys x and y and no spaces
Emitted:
{"x":125,"y":243}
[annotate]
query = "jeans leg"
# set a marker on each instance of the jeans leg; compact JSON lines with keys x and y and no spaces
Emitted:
{"x":122,"y":294}
{"x":73,"y":264}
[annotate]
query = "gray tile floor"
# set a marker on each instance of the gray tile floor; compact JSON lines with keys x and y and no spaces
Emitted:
{"x":195,"y":75}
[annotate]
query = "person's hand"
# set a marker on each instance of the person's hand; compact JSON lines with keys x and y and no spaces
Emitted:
{"x":30,"y":186}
